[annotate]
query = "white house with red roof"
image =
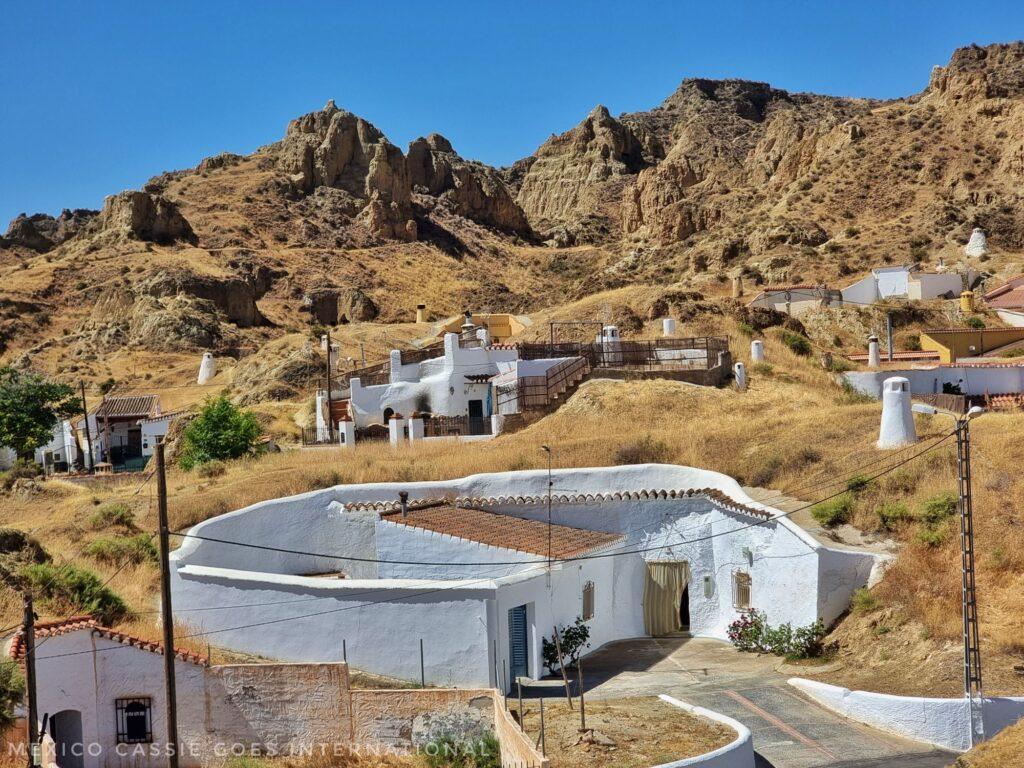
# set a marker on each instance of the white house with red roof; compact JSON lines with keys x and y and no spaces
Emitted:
{"x":102,"y":701}
{"x":477,"y":570}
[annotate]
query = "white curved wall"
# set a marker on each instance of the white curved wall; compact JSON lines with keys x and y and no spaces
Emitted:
{"x":942,"y":722}
{"x":737,"y":754}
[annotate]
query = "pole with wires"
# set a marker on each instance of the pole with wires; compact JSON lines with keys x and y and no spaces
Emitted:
{"x":547,"y":450}
{"x":167,"y":612}
{"x":30,"y":682}
{"x":88,"y":432}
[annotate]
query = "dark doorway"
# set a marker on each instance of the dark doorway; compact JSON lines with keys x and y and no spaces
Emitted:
{"x":66,"y":732}
{"x":388,"y":413}
{"x":684,"y":610}
{"x":476,"y":417}
{"x":134,"y":444}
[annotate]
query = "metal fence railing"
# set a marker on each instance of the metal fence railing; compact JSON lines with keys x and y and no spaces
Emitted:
{"x":696,"y":353}
{"x":456,"y":426}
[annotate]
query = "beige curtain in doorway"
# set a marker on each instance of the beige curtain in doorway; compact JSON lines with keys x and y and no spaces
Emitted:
{"x":663,"y":591}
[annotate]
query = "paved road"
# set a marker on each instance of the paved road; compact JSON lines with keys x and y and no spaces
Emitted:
{"x":789,"y":730}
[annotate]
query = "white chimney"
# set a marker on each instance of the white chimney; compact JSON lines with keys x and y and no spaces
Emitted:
{"x":874,"y":357}
{"x":897,"y":429}
{"x":757,"y":351}
{"x":207,"y":368}
{"x":739,"y":371}
{"x":978,"y":244}
{"x":668,"y":326}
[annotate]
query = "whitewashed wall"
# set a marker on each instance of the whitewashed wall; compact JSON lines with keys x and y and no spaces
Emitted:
{"x":864,"y":291}
{"x":891,"y":281}
{"x":925,"y":285}
{"x":739,"y":753}
{"x":973,"y":379}
{"x":942,"y":722}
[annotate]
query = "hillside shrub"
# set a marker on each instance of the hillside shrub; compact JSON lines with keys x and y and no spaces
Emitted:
{"x":797,"y":343}
{"x":447,"y":751}
{"x":834,"y":511}
{"x":115,"y":513}
{"x":123,"y":550}
{"x":937,"y":509}
{"x":70,"y":589}
{"x":858,"y":484}
{"x":975,"y":322}
{"x":646,"y":450}
{"x":891,"y":513}
{"x":220,"y":431}
{"x":863,"y":601}
{"x":12,"y":688}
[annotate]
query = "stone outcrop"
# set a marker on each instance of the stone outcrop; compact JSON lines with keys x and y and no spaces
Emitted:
{"x":475,"y":191}
{"x":145,"y":216}
{"x":335,"y":148}
{"x":354,"y":306}
{"x":574,"y":173}
{"x":234,"y":297}
{"x":41,"y":232}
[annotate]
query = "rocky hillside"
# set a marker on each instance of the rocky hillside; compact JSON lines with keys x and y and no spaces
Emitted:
{"x":335,"y":224}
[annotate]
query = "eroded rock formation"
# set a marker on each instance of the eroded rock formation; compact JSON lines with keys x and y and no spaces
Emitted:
{"x":145,"y":216}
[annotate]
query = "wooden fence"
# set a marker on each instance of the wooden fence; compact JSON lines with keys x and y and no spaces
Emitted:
{"x":456,"y":426}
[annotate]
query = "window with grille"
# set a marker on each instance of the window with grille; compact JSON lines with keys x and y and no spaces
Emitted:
{"x":741,"y":590}
{"x":134,"y":718}
{"x":588,"y":601}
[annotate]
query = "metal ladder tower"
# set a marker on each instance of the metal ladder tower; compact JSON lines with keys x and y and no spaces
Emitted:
{"x":972,"y":650}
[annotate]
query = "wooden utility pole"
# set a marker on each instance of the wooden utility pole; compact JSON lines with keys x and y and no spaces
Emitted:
{"x":330,"y":403}
{"x":166,"y":611}
{"x":30,"y":681}
{"x":88,"y":433}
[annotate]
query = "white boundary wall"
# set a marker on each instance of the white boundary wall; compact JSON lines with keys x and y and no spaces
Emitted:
{"x":737,"y":754}
{"x":942,"y":722}
{"x":972,"y":379}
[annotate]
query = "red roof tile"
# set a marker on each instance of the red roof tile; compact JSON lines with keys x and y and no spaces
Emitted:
{"x":76,"y":623}
{"x":138,"y":406}
{"x":504,"y":531}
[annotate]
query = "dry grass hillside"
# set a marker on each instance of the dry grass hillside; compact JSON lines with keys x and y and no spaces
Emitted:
{"x":795,"y":430}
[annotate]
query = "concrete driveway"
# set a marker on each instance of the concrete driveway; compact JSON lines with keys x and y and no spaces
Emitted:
{"x":789,"y":731}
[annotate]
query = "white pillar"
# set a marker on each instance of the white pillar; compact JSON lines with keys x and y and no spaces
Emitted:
{"x":757,"y":351}
{"x":668,"y":326}
{"x":484,"y":335}
{"x":396,"y":429}
{"x":415,"y":429}
{"x":874,"y":356}
{"x":739,"y":371}
{"x":396,"y":366}
{"x":207,"y":368}
{"x":497,"y":423}
{"x":347,"y":433}
{"x":323,"y":342}
{"x":897,"y":429}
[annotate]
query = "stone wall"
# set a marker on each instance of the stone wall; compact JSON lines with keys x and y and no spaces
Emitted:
{"x":413,"y":717}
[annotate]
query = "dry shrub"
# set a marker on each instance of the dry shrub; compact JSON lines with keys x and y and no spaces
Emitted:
{"x":646,"y":450}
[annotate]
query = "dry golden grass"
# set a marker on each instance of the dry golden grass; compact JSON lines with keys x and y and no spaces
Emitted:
{"x":1006,"y":750}
{"x":794,"y":429}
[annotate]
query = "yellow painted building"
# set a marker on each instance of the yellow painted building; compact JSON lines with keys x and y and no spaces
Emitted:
{"x":501,"y":325}
{"x":953,"y":344}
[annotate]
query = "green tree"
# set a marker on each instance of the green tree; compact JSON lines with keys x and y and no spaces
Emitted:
{"x":12,"y":687}
{"x":220,"y":431}
{"x":30,"y":407}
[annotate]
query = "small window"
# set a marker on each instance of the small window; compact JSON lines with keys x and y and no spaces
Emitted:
{"x":741,"y":590}
{"x":134,"y":718}
{"x":588,"y":601}
{"x":709,"y":587}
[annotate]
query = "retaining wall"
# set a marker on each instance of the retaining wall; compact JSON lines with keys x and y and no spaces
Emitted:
{"x":739,"y":753}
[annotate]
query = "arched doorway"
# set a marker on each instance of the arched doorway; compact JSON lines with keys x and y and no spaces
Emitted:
{"x":65,"y":729}
{"x":388,"y":413}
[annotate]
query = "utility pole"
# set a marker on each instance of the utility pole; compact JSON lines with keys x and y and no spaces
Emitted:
{"x":30,"y":682}
{"x":88,"y":432}
{"x":166,"y":611}
{"x":888,"y":333}
{"x":972,"y":646}
{"x":547,"y":450}
{"x":972,"y":649}
{"x":330,"y":403}
{"x":362,"y":354}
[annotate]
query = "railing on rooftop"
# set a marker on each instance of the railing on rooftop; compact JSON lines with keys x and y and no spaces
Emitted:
{"x":653,"y":354}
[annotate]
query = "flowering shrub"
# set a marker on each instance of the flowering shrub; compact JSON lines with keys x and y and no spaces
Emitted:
{"x":752,"y":632}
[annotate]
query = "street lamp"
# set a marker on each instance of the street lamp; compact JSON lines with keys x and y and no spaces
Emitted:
{"x":972,"y":650}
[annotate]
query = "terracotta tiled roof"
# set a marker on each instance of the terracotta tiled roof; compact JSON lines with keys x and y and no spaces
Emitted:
{"x":1013,"y":298}
{"x":860,"y":357}
{"x":1002,"y":402}
{"x":138,"y":406}
{"x":776,"y":288}
{"x":161,"y":416}
{"x":76,"y":623}
{"x":713,"y":494}
{"x":503,"y":531}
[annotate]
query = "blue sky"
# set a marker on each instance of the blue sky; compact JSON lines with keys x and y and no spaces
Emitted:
{"x":97,"y":97}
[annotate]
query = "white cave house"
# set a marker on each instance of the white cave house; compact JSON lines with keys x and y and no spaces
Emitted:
{"x":636,"y":550}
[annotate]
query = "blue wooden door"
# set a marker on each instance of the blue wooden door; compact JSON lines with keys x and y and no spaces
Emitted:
{"x":518,"y":646}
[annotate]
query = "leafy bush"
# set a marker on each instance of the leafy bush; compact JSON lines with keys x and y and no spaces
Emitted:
{"x":975,"y":322}
{"x":121,"y":550}
{"x":12,"y":688}
{"x":70,"y":588}
{"x":220,"y":431}
{"x":863,"y":601}
{"x":573,"y":639}
{"x":23,"y":469}
{"x":834,"y":511}
{"x":747,"y":329}
{"x":752,"y":632}
{"x":448,"y":752}
{"x":112,"y":514}
{"x":858,"y":483}
{"x":209,"y":469}
{"x":937,"y":509}
{"x":646,"y":450}
{"x":933,"y":535}
{"x":797,"y":343}
{"x":892,"y":513}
